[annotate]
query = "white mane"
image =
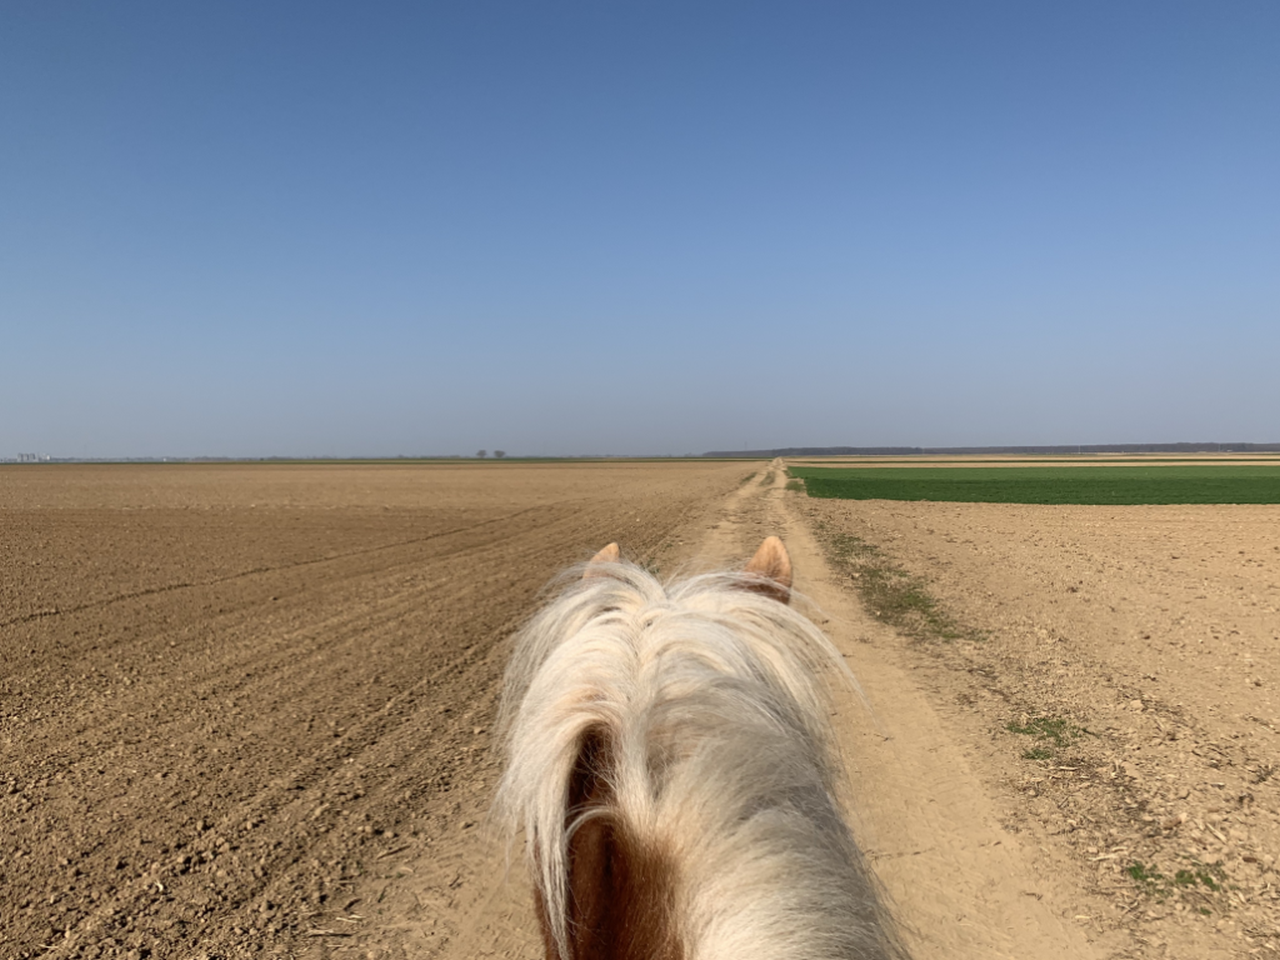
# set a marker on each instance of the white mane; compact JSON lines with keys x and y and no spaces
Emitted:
{"x":721,"y":758}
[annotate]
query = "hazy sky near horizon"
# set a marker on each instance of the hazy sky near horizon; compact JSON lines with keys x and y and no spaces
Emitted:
{"x":246,"y":229}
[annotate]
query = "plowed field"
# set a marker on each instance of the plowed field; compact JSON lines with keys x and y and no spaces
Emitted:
{"x":227,"y":691}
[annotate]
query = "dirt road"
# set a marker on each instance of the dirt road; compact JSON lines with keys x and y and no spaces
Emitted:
{"x":246,"y":711}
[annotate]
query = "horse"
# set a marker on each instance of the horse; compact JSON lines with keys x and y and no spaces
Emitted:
{"x":671,"y":765}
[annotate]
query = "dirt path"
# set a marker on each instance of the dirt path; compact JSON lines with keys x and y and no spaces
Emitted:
{"x":964,"y":886}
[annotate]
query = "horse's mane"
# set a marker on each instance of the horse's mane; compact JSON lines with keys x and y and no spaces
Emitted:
{"x":674,"y":740}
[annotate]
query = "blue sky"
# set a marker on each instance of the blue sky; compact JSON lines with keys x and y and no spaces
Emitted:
{"x":246,"y":229}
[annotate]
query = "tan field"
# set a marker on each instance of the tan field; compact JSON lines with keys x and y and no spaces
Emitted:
{"x":246,"y":710}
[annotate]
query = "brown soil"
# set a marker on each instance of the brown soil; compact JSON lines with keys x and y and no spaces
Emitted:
{"x":246,"y":710}
{"x":1152,"y":632}
{"x":231,"y":692}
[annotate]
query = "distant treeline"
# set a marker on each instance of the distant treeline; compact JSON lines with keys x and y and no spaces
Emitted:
{"x":951,"y":451}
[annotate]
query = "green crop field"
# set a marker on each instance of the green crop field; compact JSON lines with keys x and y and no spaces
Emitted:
{"x":1226,"y":483}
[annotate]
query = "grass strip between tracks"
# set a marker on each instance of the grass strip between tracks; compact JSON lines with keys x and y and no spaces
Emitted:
{"x":890,"y":593}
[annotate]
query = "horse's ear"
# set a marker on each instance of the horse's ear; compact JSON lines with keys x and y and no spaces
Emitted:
{"x":772,"y":569}
{"x":607,"y":555}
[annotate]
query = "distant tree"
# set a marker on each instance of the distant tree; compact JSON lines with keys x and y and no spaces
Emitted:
{"x":482,"y":454}
{"x":499,"y":454}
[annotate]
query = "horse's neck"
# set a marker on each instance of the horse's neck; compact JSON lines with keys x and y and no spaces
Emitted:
{"x":621,"y":892}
